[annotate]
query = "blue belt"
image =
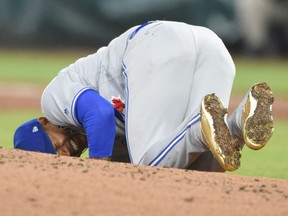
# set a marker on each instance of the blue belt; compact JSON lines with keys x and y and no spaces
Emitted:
{"x":138,"y":29}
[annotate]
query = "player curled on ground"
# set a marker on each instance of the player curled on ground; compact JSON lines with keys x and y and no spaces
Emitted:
{"x":164,"y":85}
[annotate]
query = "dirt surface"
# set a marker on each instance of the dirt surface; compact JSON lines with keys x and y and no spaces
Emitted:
{"x":42,"y":184}
{"x":17,"y":96}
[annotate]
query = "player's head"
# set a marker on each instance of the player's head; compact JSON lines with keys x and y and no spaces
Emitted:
{"x":30,"y":136}
{"x":35,"y":135}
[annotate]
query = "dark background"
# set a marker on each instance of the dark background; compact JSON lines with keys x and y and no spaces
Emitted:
{"x":93,"y":23}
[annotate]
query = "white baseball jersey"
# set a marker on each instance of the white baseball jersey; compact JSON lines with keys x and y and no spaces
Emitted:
{"x":161,"y":71}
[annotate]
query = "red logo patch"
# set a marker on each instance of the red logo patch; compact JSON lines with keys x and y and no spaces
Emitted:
{"x":118,"y":103}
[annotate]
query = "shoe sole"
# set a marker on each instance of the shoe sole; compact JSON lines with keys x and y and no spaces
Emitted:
{"x":257,"y":116}
{"x":216,"y":134}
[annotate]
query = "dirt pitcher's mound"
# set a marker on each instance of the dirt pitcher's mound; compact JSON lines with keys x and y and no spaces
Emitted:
{"x":42,"y":184}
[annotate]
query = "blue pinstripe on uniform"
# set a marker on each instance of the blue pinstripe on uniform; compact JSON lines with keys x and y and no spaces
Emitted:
{"x":174,"y":142}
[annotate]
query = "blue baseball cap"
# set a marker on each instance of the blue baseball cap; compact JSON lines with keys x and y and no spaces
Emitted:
{"x":31,"y":137}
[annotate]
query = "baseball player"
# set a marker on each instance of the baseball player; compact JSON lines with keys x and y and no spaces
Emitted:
{"x":164,"y":85}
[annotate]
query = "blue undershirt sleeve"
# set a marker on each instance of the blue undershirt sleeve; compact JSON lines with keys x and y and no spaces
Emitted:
{"x":96,"y":116}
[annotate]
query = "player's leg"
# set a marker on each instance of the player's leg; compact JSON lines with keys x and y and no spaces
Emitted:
{"x":165,"y":125}
{"x":252,"y":121}
{"x":159,"y":65}
{"x":214,"y":73}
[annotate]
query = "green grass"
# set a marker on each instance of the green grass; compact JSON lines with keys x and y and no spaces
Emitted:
{"x":270,"y":161}
{"x":35,"y":66}
{"x":39,"y":67}
{"x":250,"y":71}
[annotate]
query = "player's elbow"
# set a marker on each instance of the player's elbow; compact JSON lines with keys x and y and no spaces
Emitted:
{"x":107,"y":112}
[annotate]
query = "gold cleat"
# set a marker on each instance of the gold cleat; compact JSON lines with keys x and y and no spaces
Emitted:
{"x":257,"y":119}
{"x":216,"y":134}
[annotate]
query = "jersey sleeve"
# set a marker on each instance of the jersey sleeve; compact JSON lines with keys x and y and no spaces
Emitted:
{"x":96,"y":116}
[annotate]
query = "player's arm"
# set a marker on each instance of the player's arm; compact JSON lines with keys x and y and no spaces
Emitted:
{"x":96,"y":116}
